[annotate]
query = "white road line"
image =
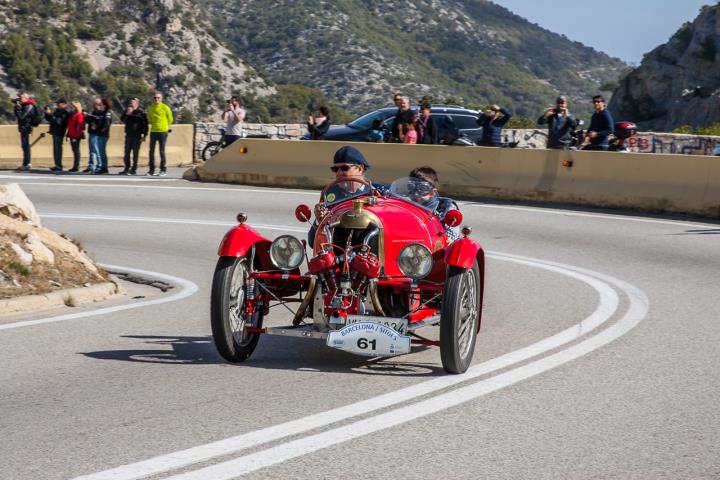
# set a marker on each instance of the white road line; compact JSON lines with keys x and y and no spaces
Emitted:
{"x":567,"y":213}
{"x":277,"y":191}
{"x":607,"y":305}
{"x":89,"y":178}
{"x":281,"y":453}
{"x":180,"y":221}
{"x":187,"y":288}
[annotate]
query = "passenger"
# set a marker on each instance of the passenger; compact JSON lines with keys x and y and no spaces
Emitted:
{"x":561,"y":124}
{"x":492,"y":122}
{"x":431,"y":200}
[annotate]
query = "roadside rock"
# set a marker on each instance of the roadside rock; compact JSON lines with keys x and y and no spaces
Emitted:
{"x":15,"y":204}
{"x":24,"y":257}
{"x":38,"y":249}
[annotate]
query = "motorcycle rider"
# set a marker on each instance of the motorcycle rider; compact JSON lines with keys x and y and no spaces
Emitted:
{"x":561,"y":123}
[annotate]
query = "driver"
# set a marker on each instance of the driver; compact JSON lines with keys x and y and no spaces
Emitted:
{"x":428,"y":197}
{"x":348,"y":164}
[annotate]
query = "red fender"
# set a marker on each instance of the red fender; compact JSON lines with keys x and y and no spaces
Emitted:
{"x":463,"y":252}
{"x":238,"y":240}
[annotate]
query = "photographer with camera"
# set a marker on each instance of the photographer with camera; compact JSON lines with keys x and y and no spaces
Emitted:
{"x":28,"y":116}
{"x":233,"y":116}
{"x":561,"y":124}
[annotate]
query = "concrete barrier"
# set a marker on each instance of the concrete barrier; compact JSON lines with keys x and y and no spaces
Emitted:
{"x":663,"y":183}
{"x":179,"y":148}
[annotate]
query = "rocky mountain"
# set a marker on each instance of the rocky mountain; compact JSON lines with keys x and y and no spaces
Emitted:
{"x":286,"y":57}
{"x":678,"y":83}
{"x":123,"y":48}
{"x":359,"y":52}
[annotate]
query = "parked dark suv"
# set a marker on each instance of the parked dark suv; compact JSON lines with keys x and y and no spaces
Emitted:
{"x":450,"y":120}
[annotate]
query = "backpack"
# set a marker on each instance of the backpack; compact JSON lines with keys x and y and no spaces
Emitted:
{"x":36,"y":117}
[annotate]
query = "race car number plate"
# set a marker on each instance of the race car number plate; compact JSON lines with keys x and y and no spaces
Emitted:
{"x":369,"y":339}
{"x":398,"y":324}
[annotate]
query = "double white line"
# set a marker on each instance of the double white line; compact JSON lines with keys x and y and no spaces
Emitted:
{"x":607,"y":288}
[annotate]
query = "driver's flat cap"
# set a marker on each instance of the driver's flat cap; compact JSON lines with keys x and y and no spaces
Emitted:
{"x":352,"y":156}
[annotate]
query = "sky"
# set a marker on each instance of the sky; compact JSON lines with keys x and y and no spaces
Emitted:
{"x":626,"y":29}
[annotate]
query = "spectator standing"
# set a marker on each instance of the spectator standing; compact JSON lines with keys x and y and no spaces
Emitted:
{"x":75,"y":133}
{"x":28,"y":116}
{"x":160,"y":117}
{"x":561,"y":124}
{"x":427,"y":131}
{"x":402,"y":117}
{"x":319,"y":125}
{"x":58,"y":121}
{"x":410,"y":136}
{"x":601,"y":126}
{"x":91,"y":121}
{"x":492,"y":121}
{"x":136,"y":129}
{"x":397,"y":98}
{"x":234,"y":116}
{"x":101,"y":129}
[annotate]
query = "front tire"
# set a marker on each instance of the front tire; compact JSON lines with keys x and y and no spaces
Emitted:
{"x":211,"y":148}
{"x":227,"y":306}
{"x":459,"y":318}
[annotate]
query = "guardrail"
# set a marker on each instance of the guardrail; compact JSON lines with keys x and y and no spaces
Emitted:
{"x":656,"y":182}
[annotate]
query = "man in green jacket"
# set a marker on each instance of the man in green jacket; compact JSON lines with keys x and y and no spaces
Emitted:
{"x":160,"y":118}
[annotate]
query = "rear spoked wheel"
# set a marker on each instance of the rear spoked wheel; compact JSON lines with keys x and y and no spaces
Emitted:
{"x":460,"y":318}
{"x":227,"y":310}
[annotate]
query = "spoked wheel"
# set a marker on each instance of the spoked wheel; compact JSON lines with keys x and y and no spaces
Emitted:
{"x":211,"y":148}
{"x":227,"y":310}
{"x":460,"y":317}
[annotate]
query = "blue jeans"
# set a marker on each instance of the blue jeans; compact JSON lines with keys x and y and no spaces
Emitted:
{"x":161,"y":138}
{"x":102,"y":149}
{"x":25,"y":144}
{"x":94,"y":158}
{"x":57,"y":150}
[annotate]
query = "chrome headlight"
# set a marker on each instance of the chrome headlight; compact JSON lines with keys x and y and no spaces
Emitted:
{"x":415,"y":261}
{"x":287,"y":252}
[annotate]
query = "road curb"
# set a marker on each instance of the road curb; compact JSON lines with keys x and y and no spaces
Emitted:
{"x":69,"y":297}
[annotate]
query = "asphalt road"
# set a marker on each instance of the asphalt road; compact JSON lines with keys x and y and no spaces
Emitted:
{"x":598,"y":356}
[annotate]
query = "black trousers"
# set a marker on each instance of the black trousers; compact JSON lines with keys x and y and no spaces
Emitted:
{"x":132,"y":145}
{"x":57,"y":149}
{"x":75,"y":145}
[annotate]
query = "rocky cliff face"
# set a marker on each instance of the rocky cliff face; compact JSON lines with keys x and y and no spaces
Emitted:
{"x":678,"y":83}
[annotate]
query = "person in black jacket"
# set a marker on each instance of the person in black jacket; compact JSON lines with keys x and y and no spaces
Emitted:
{"x":99,"y":122}
{"x":319,"y":125}
{"x":492,"y":122}
{"x":561,"y":124}
{"x":136,"y":129}
{"x":27,"y":114}
{"x":58,"y":121}
{"x":427,"y":131}
{"x":402,"y":117}
{"x":601,"y":127}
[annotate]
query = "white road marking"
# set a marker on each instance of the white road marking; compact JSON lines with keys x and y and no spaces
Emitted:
{"x":180,"y":221}
{"x":88,"y":178}
{"x":239,"y":189}
{"x":639,"y":305}
{"x":187,"y":288}
{"x":567,"y":213}
{"x":607,"y":306}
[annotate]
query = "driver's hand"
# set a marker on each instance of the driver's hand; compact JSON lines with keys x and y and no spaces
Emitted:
{"x":320,"y":211}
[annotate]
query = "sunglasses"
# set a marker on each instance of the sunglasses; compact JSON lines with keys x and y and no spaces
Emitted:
{"x":598,"y":101}
{"x":341,"y":168}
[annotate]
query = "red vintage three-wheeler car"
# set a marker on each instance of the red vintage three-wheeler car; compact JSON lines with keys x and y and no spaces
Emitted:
{"x":383,"y":265}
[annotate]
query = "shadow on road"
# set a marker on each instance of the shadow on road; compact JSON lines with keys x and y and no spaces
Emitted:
{"x":272,"y":353}
{"x":704,"y":231}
